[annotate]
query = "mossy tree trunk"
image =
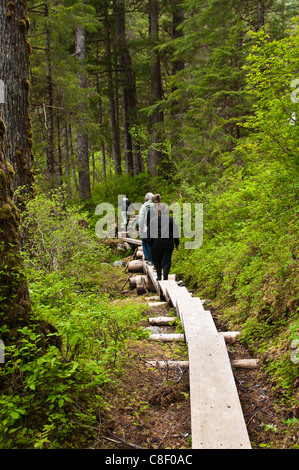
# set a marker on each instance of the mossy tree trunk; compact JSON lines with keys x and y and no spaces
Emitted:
{"x":14,"y":67}
{"x":14,"y":297}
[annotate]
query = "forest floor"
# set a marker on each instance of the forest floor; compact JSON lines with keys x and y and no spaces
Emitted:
{"x":151,"y":408}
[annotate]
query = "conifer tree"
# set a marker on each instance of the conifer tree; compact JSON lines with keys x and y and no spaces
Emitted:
{"x":14,"y":73}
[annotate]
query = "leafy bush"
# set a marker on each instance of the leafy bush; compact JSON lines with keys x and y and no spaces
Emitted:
{"x":50,"y":398}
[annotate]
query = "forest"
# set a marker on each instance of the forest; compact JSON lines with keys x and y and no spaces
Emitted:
{"x":194,"y":100}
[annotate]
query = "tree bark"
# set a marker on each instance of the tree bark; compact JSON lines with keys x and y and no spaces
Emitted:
{"x":15,"y":302}
{"x":112,"y":102}
{"x":129,"y":94}
{"x":82,"y":138}
{"x":260,"y":13}
{"x":14,"y":67}
{"x":49,"y":111}
{"x":154,"y":155}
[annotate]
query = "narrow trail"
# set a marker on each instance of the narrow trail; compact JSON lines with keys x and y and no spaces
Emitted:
{"x":152,"y":408}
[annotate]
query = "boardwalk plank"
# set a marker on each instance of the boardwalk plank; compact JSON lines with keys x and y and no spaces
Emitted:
{"x":217,"y":417}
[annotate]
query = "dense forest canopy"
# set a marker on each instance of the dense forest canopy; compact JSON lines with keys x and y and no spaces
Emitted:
{"x":195,"y":100}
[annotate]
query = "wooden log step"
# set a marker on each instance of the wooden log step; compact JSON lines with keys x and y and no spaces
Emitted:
{"x":135,"y":266}
{"x":132,"y":241}
{"x":161,"y":320}
{"x":168,"y":364}
{"x":246,"y":363}
{"x":167,"y":337}
{"x":230,"y":336}
{"x":239,"y":363}
{"x":157,"y":304}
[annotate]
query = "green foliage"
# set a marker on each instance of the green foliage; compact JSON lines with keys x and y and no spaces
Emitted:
{"x":50,"y":398}
{"x":248,"y":263}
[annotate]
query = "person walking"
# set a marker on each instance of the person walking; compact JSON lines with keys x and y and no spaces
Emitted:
{"x":148,"y":204}
{"x":163,"y":236}
{"x":125,"y":204}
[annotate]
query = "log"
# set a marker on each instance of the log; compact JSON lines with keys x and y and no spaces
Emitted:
{"x":132,"y":282}
{"x":245,"y":363}
{"x":240,"y":363}
{"x":168,"y":364}
{"x":156,"y":304}
{"x":230,"y":336}
{"x":161,"y":320}
{"x":165,"y":337}
{"x":135,"y":266}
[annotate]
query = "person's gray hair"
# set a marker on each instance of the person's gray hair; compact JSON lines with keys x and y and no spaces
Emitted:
{"x":148,"y":196}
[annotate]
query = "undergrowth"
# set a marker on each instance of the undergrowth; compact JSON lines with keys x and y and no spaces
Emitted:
{"x":51,"y":398}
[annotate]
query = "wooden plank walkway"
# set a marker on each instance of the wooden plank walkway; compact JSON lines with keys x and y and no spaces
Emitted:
{"x":217,"y":420}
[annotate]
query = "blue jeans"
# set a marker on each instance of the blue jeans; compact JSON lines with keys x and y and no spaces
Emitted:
{"x":146,"y":249}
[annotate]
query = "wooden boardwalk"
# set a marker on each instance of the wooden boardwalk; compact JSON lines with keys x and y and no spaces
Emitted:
{"x":217,"y":420}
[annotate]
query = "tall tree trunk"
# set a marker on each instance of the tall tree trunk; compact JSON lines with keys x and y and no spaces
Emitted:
{"x":154,"y":155}
{"x":177,"y":66}
{"x":49,"y":111}
{"x":16,"y":311}
{"x":112,"y":102}
{"x":15,"y":302}
{"x":59,"y":163}
{"x":14,"y":69}
{"x":260,"y":13}
{"x":82,"y":138}
{"x":14,"y":292}
{"x":129,"y":95}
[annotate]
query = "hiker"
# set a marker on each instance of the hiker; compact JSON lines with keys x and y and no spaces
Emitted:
{"x":143,"y":226}
{"x":125,"y":204}
{"x":163,"y":235}
{"x":153,"y":210}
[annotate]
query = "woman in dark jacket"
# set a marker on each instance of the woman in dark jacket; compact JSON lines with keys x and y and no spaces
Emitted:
{"x":162,"y":236}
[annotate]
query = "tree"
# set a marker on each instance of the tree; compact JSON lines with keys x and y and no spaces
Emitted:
{"x":128,"y":92}
{"x":14,"y":67}
{"x":112,"y":94}
{"x":82,"y":138}
{"x":15,"y":303}
{"x":154,"y":155}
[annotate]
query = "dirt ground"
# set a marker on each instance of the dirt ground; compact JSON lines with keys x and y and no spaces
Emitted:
{"x":151,"y":407}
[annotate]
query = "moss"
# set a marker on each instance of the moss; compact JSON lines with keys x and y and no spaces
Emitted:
{"x":24,"y":23}
{"x":27,"y":84}
{"x":2,"y":177}
{"x":11,"y":5}
{"x":8,"y":16}
{"x":6,"y":212}
{"x":2,"y":129}
{"x":27,"y":21}
{"x":29,"y":141}
{"x":29,"y":47}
